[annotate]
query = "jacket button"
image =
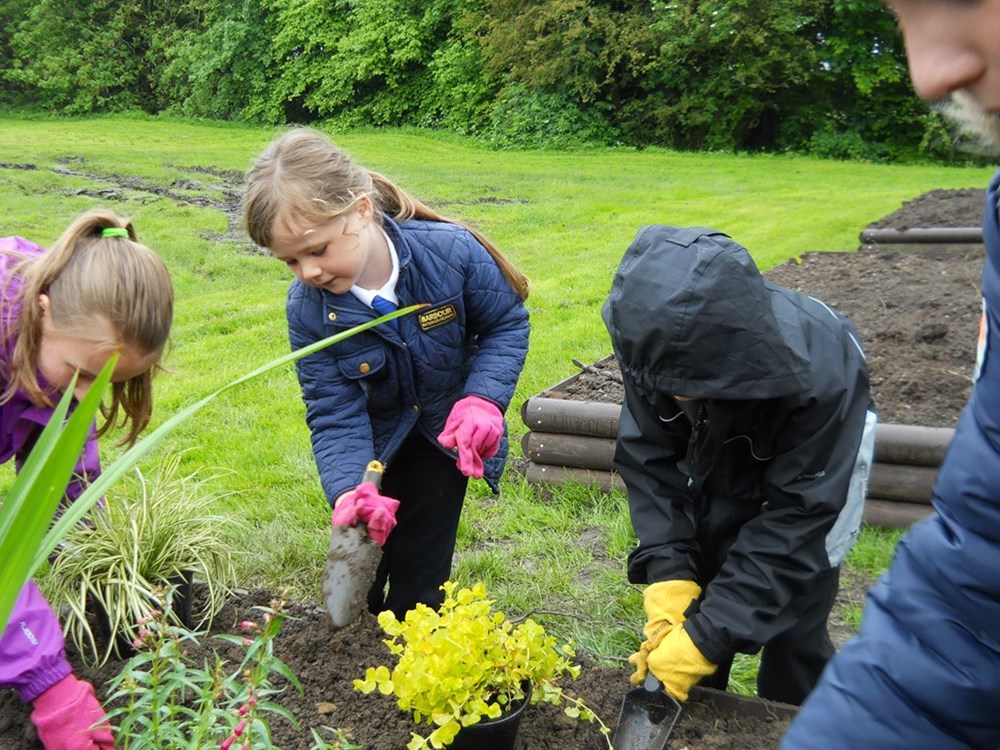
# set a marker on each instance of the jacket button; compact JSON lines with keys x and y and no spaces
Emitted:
{"x":415,"y":407}
{"x":365,"y":368}
{"x":332,"y":316}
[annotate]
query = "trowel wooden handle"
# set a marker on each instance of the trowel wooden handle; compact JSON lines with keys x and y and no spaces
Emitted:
{"x":373,"y":473}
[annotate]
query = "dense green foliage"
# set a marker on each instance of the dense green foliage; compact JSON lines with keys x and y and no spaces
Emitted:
{"x":826,"y":77}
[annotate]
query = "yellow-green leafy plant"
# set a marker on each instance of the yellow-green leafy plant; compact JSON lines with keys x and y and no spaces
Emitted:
{"x":153,"y":531}
{"x":465,"y":663}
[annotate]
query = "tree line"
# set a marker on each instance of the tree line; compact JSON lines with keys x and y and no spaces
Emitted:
{"x":826,"y":77}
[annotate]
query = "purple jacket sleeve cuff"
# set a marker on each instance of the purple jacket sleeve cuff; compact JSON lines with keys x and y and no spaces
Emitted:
{"x":32,"y":649}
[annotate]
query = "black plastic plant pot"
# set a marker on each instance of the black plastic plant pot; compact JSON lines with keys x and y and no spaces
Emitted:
{"x":493,"y":734}
{"x":182,"y":598}
{"x":119,"y":642}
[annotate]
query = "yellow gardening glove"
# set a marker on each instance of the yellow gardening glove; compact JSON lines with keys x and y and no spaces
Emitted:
{"x":666,"y":602}
{"x":679,"y":664}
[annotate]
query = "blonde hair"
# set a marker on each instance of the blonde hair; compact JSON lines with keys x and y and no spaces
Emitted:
{"x":304,"y":174}
{"x":86,"y":276}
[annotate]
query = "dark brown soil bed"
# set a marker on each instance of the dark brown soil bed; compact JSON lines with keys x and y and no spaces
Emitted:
{"x":327,"y":662}
{"x":938,"y":208}
{"x":917,"y":316}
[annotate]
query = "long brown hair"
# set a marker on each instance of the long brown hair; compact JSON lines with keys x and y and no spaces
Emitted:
{"x":86,"y":276}
{"x":303,"y":173}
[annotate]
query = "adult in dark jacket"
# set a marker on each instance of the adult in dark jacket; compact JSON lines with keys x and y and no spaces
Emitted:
{"x":924,"y":671}
{"x":423,"y":394}
{"x":744,"y":443}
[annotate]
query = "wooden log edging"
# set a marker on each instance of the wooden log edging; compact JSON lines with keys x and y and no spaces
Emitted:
{"x":922,"y":235}
{"x":745,"y":705}
{"x":878,"y":511}
{"x":931,"y":242}
{"x":574,"y":441}
{"x":590,"y":418}
{"x":887,"y":481}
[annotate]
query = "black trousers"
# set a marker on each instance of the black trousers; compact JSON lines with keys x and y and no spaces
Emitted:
{"x":791,"y":663}
{"x":416,"y":558}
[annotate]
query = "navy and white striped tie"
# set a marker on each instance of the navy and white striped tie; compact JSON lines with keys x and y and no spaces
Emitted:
{"x":383,"y":307}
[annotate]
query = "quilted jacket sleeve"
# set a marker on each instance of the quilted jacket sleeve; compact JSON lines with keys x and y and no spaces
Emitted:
{"x":924,"y":671}
{"x":497,"y":316}
{"x":340,"y":429}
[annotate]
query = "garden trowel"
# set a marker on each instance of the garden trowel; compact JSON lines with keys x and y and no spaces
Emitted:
{"x":351,"y":564}
{"x":647,"y":717}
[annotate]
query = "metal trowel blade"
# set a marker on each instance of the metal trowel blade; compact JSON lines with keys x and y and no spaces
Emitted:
{"x":351,"y":564}
{"x":647,"y":718}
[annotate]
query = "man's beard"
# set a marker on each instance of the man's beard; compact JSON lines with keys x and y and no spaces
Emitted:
{"x":981,"y":130}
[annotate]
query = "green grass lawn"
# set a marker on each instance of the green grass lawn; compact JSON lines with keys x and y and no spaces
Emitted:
{"x":564,"y":218}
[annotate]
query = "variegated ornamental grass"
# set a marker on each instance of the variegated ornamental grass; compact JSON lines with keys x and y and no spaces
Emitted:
{"x":152,"y":531}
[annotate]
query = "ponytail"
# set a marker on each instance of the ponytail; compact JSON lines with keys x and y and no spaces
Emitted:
{"x":95,"y":270}
{"x":396,"y":203}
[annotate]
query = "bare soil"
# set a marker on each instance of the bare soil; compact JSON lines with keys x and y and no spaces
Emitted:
{"x":917,"y":316}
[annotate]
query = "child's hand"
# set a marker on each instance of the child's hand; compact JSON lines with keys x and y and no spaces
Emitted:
{"x":474,"y":428}
{"x":64,"y":713}
{"x":365,"y":505}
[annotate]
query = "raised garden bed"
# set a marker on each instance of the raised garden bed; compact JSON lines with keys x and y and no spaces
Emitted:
{"x":917,"y":314}
{"x":574,"y":441}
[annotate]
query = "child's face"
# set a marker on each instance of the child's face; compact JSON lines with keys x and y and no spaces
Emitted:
{"x":333,"y":255}
{"x":62,"y":353}
{"x":953,"y":45}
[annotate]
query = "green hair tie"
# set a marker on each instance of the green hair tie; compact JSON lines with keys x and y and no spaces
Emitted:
{"x":114,"y":232}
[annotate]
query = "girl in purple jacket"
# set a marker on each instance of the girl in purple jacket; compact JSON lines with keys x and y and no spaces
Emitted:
{"x":62,"y":312}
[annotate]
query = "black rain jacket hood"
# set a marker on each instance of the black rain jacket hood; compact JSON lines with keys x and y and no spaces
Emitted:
{"x":690,"y":315}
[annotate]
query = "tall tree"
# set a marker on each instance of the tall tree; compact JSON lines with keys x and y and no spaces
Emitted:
{"x":86,"y":55}
{"x":728,"y":70}
{"x":363,"y":61}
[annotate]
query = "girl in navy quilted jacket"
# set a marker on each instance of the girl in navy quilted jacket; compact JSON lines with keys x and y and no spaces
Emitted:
{"x":424,"y":393}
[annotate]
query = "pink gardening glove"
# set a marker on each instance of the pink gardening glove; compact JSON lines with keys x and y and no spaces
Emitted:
{"x":474,"y":429}
{"x":63,"y":714}
{"x":365,"y":505}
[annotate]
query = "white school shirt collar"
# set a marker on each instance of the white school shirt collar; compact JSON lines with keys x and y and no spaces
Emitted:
{"x":389,"y":290}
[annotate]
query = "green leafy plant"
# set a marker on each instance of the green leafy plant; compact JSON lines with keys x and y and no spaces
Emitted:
{"x":159,"y":529}
{"x":466,"y":663}
{"x":35,"y":494}
{"x":168,"y":700}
